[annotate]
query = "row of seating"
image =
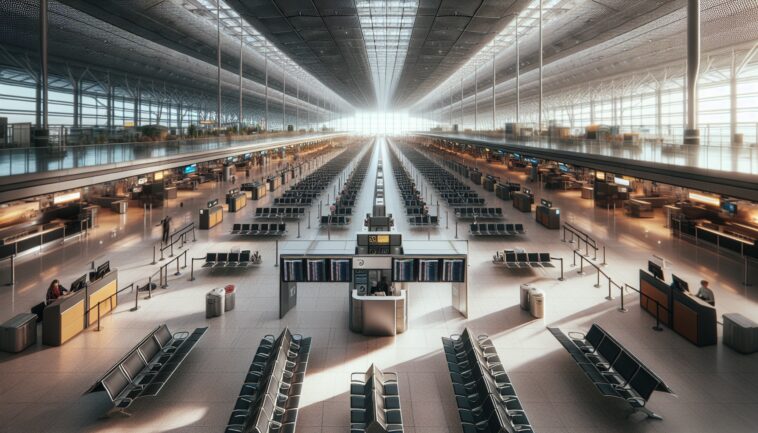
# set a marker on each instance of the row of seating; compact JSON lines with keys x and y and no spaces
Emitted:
{"x":279,"y":229}
{"x":478,"y":212}
{"x":289,"y":201}
{"x":614,"y":371}
{"x":300,"y":194}
{"x":279,"y":212}
{"x":375,"y":402}
{"x":457,"y":202}
{"x":514,"y":260}
{"x":238,"y":259}
{"x":496,"y":229}
{"x":415,"y":206}
{"x":485,"y":396}
{"x":270,"y":396}
{"x":335,"y":220}
{"x":425,"y":220}
{"x":146,"y":368}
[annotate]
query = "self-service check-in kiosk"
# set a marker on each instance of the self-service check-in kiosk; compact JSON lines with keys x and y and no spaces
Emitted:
{"x":211,"y":216}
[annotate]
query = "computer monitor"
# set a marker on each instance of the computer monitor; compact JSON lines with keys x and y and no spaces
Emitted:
{"x":656,"y":270}
{"x":679,"y":284}
{"x":79,"y":283}
{"x":103,"y":269}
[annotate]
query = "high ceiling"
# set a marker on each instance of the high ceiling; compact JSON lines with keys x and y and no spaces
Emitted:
{"x":326,"y":38}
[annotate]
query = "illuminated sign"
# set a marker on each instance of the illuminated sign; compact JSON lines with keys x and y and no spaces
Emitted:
{"x":621,"y":181}
{"x":67,"y":197}
{"x":705,"y":199}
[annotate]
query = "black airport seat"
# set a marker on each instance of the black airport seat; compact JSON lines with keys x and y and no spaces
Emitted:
{"x":146,"y":368}
{"x":614,"y":371}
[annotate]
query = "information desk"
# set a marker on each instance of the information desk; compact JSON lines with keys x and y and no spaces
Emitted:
{"x":688,"y":315}
{"x":67,"y":316}
{"x":378,"y":315}
{"x":338,"y":262}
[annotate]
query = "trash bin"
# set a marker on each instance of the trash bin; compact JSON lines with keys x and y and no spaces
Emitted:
{"x":525,"y":296}
{"x":537,"y":303}
{"x":230,"y":293}
{"x":214,"y":303}
{"x":18,"y":333}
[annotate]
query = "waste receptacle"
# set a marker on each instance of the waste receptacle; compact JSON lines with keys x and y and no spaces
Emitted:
{"x":525,"y":296}
{"x":214,"y":303}
{"x":18,"y":333}
{"x":229,"y":297}
{"x":537,"y":303}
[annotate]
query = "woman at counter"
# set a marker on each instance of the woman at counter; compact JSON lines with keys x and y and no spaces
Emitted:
{"x":54,"y":292}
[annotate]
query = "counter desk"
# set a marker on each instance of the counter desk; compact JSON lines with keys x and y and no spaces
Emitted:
{"x":378,"y":315}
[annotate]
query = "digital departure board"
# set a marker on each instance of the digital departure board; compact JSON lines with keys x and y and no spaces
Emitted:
{"x":379,"y":240}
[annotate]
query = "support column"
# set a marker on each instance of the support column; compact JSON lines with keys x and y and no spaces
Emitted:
{"x":692,"y":133}
{"x":42,"y":84}
{"x":239,"y":116}
{"x":518,"y":76}
{"x":265,"y":117}
{"x":659,"y":109}
{"x":284,"y":102}
{"x":109,"y":104}
{"x":476,"y":100}
{"x":539,"y":115}
{"x":494,"y":102}
{"x":297,"y":106}
{"x":460,"y":127}
{"x":218,"y":60}
{"x":733,"y":100}
{"x":76,"y":84}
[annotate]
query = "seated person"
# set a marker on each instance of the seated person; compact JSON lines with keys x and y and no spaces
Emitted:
{"x":705,"y":293}
{"x":54,"y":292}
{"x":382,"y":287}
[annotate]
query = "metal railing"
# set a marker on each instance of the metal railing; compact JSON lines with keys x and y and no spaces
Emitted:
{"x":23,"y":160}
{"x":581,"y":237}
{"x":109,"y":300}
{"x":737,"y":158}
{"x":179,"y":236}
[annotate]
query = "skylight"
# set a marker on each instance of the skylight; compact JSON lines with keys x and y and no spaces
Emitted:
{"x":387,"y":27}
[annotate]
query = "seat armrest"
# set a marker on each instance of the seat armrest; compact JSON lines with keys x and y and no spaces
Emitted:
{"x":181,"y":335}
{"x":577,"y":335}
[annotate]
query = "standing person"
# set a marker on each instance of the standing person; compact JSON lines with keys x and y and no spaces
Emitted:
{"x":166,"y":226}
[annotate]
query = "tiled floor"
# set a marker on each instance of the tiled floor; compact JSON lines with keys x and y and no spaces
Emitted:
{"x":41,"y":388}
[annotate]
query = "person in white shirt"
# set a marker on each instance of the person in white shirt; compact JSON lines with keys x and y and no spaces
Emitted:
{"x":705,"y":293}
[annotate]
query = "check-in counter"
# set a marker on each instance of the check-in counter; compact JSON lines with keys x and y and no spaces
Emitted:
{"x":103,"y":291}
{"x":378,"y":315}
{"x":274,"y":183}
{"x":170,"y":192}
{"x":67,"y":316}
{"x":211,"y":217}
{"x":236,"y":201}
{"x":688,"y":315}
{"x":638,"y":208}
{"x":587,"y":192}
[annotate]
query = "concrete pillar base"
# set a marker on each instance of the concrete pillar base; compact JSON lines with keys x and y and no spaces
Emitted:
{"x":691,"y":136}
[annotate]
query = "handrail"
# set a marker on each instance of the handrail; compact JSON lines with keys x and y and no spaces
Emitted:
{"x":108,"y":299}
{"x":581,"y":236}
{"x":621,"y":288}
{"x":182,"y":233}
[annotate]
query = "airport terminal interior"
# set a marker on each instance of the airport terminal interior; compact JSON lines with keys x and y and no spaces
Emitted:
{"x":375,"y":216}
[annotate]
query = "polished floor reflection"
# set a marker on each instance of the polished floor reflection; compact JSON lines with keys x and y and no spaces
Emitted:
{"x":41,"y":389}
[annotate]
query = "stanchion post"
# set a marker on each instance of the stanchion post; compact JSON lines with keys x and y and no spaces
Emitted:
{"x":561,"y":277}
{"x":177,"y":268}
{"x":276,"y":257}
{"x":447,"y":219}
{"x":456,"y":229}
{"x":153,"y":262}
{"x":597,"y":284}
{"x":610,"y":296}
{"x":192,"y":270}
{"x":309,"y":218}
{"x":298,"y":229}
{"x":149,"y":287}
{"x":581,"y":265}
{"x":136,"y":299}
{"x":98,"y":316}
{"x":13,"y":270}
{"x":622,"y":308}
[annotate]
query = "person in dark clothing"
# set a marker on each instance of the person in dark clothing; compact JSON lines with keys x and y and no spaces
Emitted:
{"x":383,"y":287}
{"x":166,"y":226}
{"x":54,"y":292}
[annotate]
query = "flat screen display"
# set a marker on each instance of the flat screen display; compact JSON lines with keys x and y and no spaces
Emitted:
{"x":729,"y":207}
{"x":189,"y":169}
